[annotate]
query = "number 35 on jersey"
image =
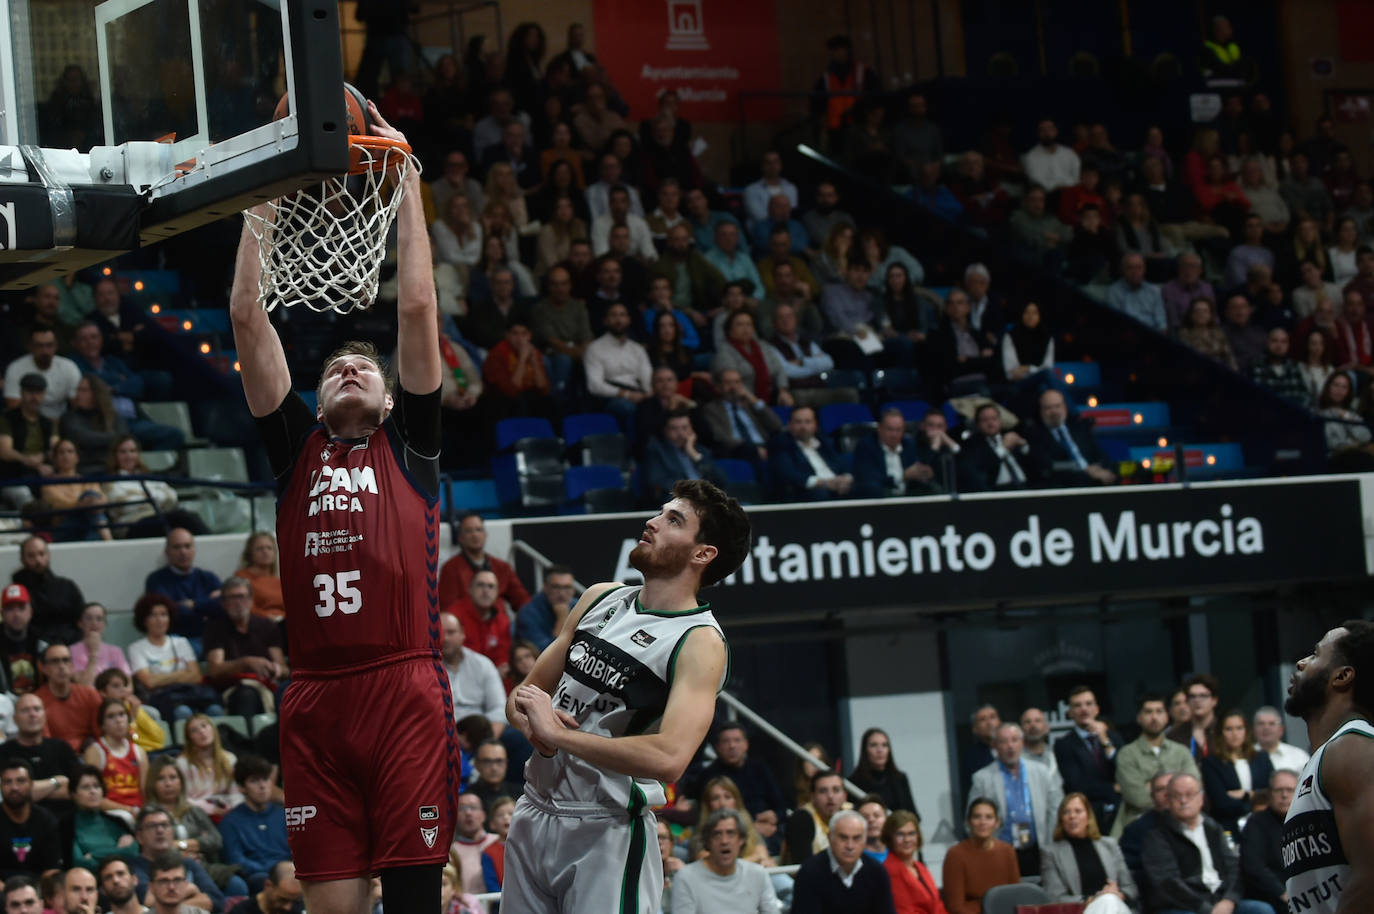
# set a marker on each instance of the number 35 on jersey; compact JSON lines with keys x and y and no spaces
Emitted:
{"x":337,"y":591}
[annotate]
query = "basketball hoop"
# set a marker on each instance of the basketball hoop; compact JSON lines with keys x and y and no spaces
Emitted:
{"x":323,"y":247}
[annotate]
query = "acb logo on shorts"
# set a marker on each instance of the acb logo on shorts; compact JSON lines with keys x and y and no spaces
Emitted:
{"x":297,"y":816}
{"x":429,"y":813}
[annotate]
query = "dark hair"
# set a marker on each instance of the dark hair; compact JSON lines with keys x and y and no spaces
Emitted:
{"x":88,"y":771}
{"x":165,"y":863}
{"x":145,"y":605}
{"x":357,"y":347}
{"x":726,"y":728}
{"x":249,"y":767}
{"x":898,"y":819}
{"x":982,"y":801}
{"x":1325,"y":399}
{"x":858,"y":261}
{"x":106,"y":861}
{"x":1207,"y":681}
{"x":822,"y":774}
{"x":1079,"y":690}
{"x":1356,"y":648}
{"x":863,"y":770}
{"x":103,"y":681}
{"x":106,"y":705}
{"x":15,"y":883}
{"x":1148,"y":697}
{"x":148,"y":811}
{"x":723,"y":524}
{"x":474,"y":728}
{"x":44,"y":648}
{"x":14,"y":763}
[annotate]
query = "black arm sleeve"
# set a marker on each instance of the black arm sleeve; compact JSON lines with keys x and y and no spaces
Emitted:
{"x":418,"y":423}
{"x":283,"y":432}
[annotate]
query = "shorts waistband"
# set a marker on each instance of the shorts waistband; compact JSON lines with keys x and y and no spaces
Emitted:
{"x":573,"y":810}
{"x":374,"y":664}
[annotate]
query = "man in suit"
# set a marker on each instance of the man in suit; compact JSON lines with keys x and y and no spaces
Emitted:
{"x":1087,"y":757}
{"x":992,"y":459}
{"x":1190,"y":864}
{"x":1027,"y":798}
{"x":1066,"y":452}
{"x":888,"y":463}
{"x":804,"y":466}
{"x":740,"y":424}
{"x":675,"y":455}
{"x":652,"y":412}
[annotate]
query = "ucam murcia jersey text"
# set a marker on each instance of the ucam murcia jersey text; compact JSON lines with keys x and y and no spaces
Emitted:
{"x":1314,"y":863}
{"x":359,"y":543}
{"x":615,"y":682}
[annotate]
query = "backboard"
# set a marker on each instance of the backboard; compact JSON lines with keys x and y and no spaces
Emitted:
{"x":125,"y":122}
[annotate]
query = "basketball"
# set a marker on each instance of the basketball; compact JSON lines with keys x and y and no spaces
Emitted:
{"x":355,"y":110}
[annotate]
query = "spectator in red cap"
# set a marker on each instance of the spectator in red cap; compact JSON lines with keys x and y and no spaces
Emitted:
{"x":18,"y":642}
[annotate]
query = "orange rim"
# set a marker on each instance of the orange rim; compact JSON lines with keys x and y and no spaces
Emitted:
{"x":378,"y":147}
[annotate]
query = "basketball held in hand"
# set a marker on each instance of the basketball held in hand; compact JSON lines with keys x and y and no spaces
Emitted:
{"x":355,"y":111}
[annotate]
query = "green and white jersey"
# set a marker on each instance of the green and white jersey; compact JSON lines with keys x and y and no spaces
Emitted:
{"x":1314,"y":862}
{"x":615,"y":682}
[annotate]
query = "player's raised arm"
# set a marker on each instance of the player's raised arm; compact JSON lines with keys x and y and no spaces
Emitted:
{"x":417,"y":331}
{"x":663,"y":755}
{"x":266,"y":379}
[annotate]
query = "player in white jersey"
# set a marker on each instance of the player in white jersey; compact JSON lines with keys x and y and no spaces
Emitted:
{"x":617,"y":704}
{"x":1328,"y":837}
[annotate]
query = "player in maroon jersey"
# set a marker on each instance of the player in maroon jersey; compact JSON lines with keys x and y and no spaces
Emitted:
{"x":367,"y":740}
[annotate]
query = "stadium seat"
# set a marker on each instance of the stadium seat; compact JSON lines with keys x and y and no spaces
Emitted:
{"x":578,"y":480}
{"x":834,"y":415}
{"x":1203,"y":460}
{"x":1006,"y":899}
{"x":310,"y":397}
{"x":261,"y":722}
{"x":471,"y":495}
{"x":736,"y":470}
{"x":1079,"y":376}
{"x":844,"y":377}
{"x":177,"y":414}
{"x":532,"y":475}
{"x":897,"y":382}
{"x":509,"y":431}
{"x":580,"y":425}
{"x":1118,"y":418}
{"x":608,"y":501}
{"x":610,"y":449}
{"x":784,"y":413}
{"x":164,"y":462}
{"x":223,"y":464}
{"x":912,"y":410}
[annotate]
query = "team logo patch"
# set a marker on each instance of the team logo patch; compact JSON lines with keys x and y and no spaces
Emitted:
{"x":429,"y":834}
{"x":577,"y":653}
{"x":643,"y":638}
{"x":429,"y":813}
{"x":1306,"y":786}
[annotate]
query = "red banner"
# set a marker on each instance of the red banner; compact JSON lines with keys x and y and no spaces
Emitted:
{"x":707,"y":50}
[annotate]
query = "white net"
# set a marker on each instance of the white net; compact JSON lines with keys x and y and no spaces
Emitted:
{"x":323,"y":247}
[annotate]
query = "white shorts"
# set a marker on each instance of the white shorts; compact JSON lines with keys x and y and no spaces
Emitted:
{"x":564,"y":863}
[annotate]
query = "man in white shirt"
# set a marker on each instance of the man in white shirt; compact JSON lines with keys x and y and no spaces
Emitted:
{"x":1047,"y":163}
{"x":1269,"y":734}
{"x":641,"y":239}
{"x":771,"y":184}
{"x":472,"y":678}
{"x":598,"y":195}
{"x":617,"y":367}
{"x":721,"y":883}
{"x":60,"y":372}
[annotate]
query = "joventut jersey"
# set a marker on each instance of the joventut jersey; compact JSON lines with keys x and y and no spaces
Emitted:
{"x":1314,"y":863}
{"x":615,"y":682}
{"x":358,"y":540}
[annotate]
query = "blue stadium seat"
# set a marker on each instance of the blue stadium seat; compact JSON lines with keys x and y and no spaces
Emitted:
{"x":578,"y":480}
{"x":471,"y":495}
{"x":845,"y":377}
{"x":736,"y":470}
{"x":1203,"y":460}
{"x":509,"y":431}
{"x":952,"y":417}
{"x":1079,"y":375}
{"x":912,"y":410}
{"x":579,"y":425}
{"x":783,"y":413}
{"x":896,"y":382}
{"x":834,"y":415}
{"x":310,"y":397}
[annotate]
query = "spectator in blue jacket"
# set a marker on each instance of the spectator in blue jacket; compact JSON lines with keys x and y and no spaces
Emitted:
{"x":803,"y":465}
{"x":194,"y":590}
{"x":675,"y":454}
{"x":254,"y":831}
{"x":1133,"y":296}
{"x":539,"y":620}
{"x":935,"y":195}
{"x":888,"y":462}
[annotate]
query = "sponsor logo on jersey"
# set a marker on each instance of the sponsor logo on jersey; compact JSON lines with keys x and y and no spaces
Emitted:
{"x":1306,"y":787}
{"x":429,"y":835}
{"x":338,"y":488}
{"x":643,"y":638}
{"x":429,"y":813}
{"x":604,"y":674}
{"x":1311,"y":842}
{"x":297,"y":816}
{"x":330,"y":541}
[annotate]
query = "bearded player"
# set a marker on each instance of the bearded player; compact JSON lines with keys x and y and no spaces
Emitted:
{"x":367,"y":724}
{"x":618,"y":703}
{"x":1328,"y":837}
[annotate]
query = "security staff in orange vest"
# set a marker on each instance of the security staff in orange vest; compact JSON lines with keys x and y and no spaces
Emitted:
{"x":834,"y":93}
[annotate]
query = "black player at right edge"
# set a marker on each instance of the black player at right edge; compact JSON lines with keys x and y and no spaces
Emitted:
{"x":617,"y":704}
{"x":1328,"y":837}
